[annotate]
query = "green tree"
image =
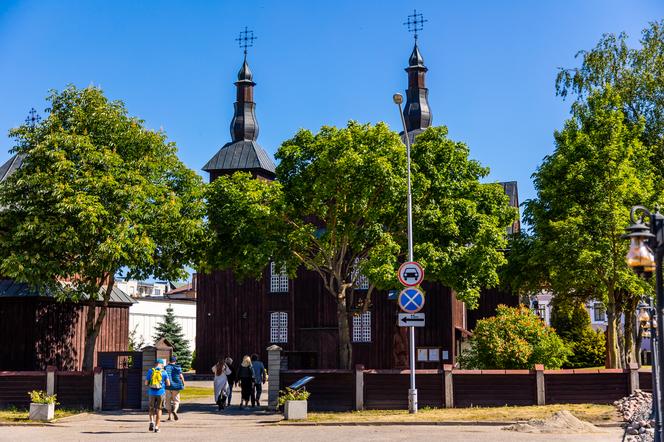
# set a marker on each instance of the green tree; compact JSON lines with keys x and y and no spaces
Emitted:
{"x":170,"y":329}
{"x":97,"y":194}
{"x":635,"y":74}
{"x":338,"y":208}
{"x":516,"y":338}
{"x":599,"y":169}
{"x":571,"y":321}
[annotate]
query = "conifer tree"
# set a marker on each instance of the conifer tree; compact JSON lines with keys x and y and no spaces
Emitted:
{"x":172,"y":331}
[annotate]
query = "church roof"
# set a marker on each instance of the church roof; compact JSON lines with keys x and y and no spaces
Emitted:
{"x":416,"y":58}
{"x":11,"y":166}
{"x":238,"y":155}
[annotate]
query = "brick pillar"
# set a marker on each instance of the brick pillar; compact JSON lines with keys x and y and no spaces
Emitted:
{"x":359,"y":387}
{"x":50,"y":379}
{"x":149,"y":358}
{"x":539,"y":380}
{"x":273,"y":370}
{"x":97,"y":397}
{"x":448,"y":383}
{"x":633,"y":377}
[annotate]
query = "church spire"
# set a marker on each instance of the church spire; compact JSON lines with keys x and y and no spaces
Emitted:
{"x":416,"y":112}
{"x":244,"y":125}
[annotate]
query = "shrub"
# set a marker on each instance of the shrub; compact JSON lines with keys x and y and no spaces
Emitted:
{"x":571,"y":321}
{"x":293,"y":395}
{"x":41,"y":397}
{"x":515,"y":338}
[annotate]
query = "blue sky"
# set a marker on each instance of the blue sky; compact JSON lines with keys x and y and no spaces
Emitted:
{"x":492,"y":65}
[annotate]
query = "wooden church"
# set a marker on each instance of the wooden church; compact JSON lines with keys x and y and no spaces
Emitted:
{"x":236,"y":317}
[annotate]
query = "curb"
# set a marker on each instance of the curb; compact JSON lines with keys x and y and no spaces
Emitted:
{"x":428,"y":423}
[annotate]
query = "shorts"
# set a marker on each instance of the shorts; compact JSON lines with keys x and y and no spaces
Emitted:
{"x":155,"y":403}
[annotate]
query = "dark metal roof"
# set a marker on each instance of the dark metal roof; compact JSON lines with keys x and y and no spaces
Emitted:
{"x":416,"y":58}
{"x":245,"y":73}
{"x":240,"y":155}
{"x":11,"y":166}
{"x":512,"y":190}
{"x":12,"y":289}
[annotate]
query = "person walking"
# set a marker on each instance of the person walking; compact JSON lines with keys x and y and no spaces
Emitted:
{"x":260,"y":376}
{"x":245,"y":374}
{"x":232,"y":379}
{"x":156,"y":380}
{"x":173,"y":391}
{"x":221,"y":372}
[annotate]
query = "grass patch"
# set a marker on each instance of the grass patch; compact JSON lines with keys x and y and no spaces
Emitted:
{"x":196,"y":393}
{"x":588,"y":412}
{"x":18,"y":415}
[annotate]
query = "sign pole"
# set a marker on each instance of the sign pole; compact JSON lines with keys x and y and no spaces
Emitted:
{"x":412,"y":392}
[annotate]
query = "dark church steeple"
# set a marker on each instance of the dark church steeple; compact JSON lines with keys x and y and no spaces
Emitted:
{"x":416,"y":112}
{"x":243,"y":153}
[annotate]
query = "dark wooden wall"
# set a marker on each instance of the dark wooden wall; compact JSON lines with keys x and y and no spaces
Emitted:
{"x":490,"y":299}
{"x":233,"y":320}
{"x":38,"y":332}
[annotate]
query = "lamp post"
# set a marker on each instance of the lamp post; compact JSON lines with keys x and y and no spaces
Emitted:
{"x":412,"y":392}
{"x":645,"y":257}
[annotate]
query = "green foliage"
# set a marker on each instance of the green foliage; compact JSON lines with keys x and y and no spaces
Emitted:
{"x":515,"y":338}
{"x":338,"y":208}
{"x":136,"y":343}
{"x":41,"y":397}
{"x":293,"y":395}
{"x":98,"y":193}
{"x":170,"y":329}
{"x":571,"y":321}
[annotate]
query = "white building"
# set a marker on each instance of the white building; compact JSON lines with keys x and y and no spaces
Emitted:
{"x":541,"y":304}
{"x":139,"y":289}
{"x":146,"y":313}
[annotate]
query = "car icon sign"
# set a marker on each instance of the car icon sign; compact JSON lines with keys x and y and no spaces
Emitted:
{"x":411,"y":274}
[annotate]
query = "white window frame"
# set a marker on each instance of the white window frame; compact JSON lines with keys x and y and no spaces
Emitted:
{"x":278,"y":280}
{"x":599,"y":306}
{"x":362,"y":328}
{"x":279,"y":327}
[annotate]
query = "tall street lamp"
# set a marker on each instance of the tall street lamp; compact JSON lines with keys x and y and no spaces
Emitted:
{"x":645,"y":255}
{"x":412,"y":392}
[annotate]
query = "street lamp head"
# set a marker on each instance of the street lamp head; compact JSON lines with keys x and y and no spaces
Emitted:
{"x":397,"y":98}
{"x":640,"y":257}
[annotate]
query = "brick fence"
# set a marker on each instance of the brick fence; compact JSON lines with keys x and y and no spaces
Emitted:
{"x":333,"y":390}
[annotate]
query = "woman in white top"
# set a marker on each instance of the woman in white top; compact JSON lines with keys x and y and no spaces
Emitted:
{"x":221,"y":371}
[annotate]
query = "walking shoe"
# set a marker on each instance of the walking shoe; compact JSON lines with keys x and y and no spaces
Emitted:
{"x":156,"y":429}
{"x":175,"y":416}
{"x":258,"y":403}
{"x":151,"y":426}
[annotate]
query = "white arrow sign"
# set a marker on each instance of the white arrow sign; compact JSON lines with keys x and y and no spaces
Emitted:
{"x":411,"y":320}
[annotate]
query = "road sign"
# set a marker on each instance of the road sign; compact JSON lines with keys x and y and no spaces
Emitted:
{"x":411,"y":300}
{"x":411,"y":320}
{"x":411,"y":274}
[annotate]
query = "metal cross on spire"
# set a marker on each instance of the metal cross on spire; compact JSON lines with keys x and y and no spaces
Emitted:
{"x":415,"y":23}
{"x":246,"y":39}
{"x":32,"y":119}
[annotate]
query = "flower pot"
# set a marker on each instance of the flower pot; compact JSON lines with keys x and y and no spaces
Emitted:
{"x":42,"y":412}
{"x":295,"y":410}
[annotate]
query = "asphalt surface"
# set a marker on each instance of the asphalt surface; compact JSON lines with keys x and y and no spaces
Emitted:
{"x":201,"y":422}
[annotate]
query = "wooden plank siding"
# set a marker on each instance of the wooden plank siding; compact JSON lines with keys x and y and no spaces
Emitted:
{"x":75,"y":389}
{"x":331,"y":390}
{"x":389,"y":391}
{"x":38,"y":332}
{"x":581,"y":386}
{"x":14,"y":387}
{"x":484,"y":389}
{"x":645,"y":380}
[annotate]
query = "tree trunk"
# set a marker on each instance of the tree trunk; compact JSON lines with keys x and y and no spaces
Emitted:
{"x":613,"y":359}
{"x":630,"y":335}
{"x":345,"y":345}
{"x":93,"y":323}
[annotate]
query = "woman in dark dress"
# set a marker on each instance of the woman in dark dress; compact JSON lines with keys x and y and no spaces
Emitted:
{"x":231,"y":379}
{"x":245,"y":374}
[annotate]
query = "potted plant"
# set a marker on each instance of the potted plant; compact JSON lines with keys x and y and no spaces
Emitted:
{"x":294,"y":402}
{"x":42,"y":405}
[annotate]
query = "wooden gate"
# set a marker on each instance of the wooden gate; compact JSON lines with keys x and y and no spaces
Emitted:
{"x":121,"y":379}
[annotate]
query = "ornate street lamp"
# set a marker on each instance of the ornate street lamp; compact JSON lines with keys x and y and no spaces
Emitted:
{"x":645,"y":255}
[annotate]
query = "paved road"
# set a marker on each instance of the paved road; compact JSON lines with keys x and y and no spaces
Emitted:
{"x":202,"y":423}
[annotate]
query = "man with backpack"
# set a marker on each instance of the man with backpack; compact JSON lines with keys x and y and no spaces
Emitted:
{"x":156,"y":380}
{"x":173,"y":391}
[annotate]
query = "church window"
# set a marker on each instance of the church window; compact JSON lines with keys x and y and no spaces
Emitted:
{"x":362,"y":327}
{"x":278,"y":327}
{"x":278,"y":279}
